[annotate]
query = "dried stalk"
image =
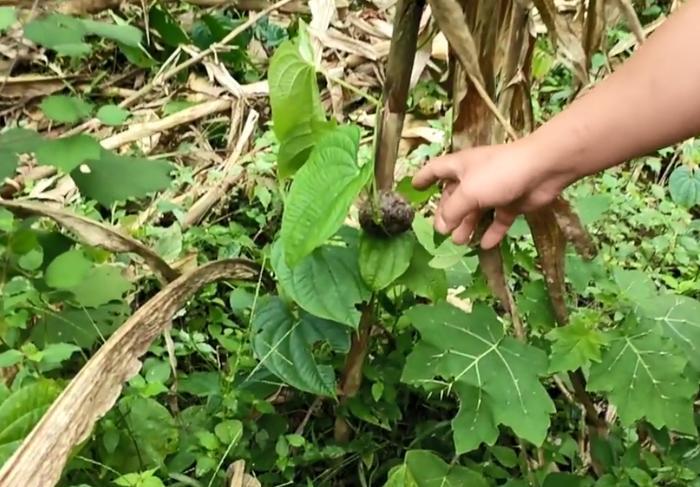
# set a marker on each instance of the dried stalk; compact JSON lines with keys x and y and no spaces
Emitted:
{"x":402,"y":54}
{"x":40,"y":459}
{"x":631,"y":16}
{"x":95,"y":233}
{"x":140,"y":131}
{"x":230,"y":176}
{"x":252,"y":20}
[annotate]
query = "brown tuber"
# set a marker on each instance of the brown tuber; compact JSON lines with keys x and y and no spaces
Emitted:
{"x":386,"y":216}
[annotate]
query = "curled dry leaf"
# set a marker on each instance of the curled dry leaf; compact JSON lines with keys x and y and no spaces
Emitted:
{"x":632,"y":20}
{"x":564,"y":37}
{"x":239,"y":478}
{"x":94,"y":233}
{"x":41,"y":457}
{"x":550,"y":242}
{"x":573,"y":229}
{"x":450,"y":18}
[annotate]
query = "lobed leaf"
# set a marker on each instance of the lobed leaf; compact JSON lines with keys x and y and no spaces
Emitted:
{"x":643,"y":376}
{"x":494,"y":376}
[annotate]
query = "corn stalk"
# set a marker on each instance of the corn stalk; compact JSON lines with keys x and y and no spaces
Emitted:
{"x":492,"y":51}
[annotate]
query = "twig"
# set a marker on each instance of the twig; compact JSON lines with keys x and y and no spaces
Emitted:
{"x":252,"y":20}
{"x":146,"y":129}
{"x":230,"y":176}
{"x":314,"y":406}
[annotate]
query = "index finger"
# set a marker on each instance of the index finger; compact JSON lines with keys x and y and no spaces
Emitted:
{"x":446,"y":167}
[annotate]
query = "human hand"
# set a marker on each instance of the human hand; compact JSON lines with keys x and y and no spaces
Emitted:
{"x":511,"y":178}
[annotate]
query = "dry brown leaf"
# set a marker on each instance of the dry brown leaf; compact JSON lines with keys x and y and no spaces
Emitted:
{"x":565,"y":39}
{"x":334,"y":39}
{"x":30,"y":86}
{"x":450,"y":18}
{"x":551,"y":247}
{"x":573,"y":229}
{"x":632,"y":20}
{"x":238,"y":476}
{"x":40,"y":459}
{"x":94,"y":233}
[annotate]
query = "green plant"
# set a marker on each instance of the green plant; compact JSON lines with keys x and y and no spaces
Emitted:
{"x":369,"y":350}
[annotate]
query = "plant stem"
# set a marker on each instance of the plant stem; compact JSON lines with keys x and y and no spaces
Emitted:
{"x":398,"y":79}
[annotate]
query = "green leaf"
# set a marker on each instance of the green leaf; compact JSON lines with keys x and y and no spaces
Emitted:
{"x":635,"y":286}
{"x":283,"y":344}
{"x":69,"y":152}
{"x":446,"y":254}
{"x":643,"y":377}
{"x":591,"y":208}
{"x":113,"y":115}
{"x":7,"y":18}
{"x":21,"y":410}
{"x":684,"y":185}
{"x":326,"y":283}
{"x":505,"y":456}
{"x":575,"y":345}
{"x":229,"y":432}
{"x":100,"y":285}
{"x":65,"y":109}
{"x":67,"y":270}
{"x":56,"y":353}
{"x":10,"y":357}
{"x":494,"y":376}
{"x":202,"y":384}
{"x":294,"y":94}
{"x":138,"y":56}
{"x":124,"y":34}
{"x":383,"y":260}
{"x":80,"y":326}
{"x":7,"y":220}
{"x":167,"y":26}
{"x":679,"y":319}
{"x":416,"y":197}
{"x":422,"y":468}
{"x":149,"y":434}
{"x":322,"y":193}
{"x":61,"y":33}
{"x":296,"y":147}
{"x":19,"y":140}
{"x":143,"y":479}
{"x":534,"y":303}
{"x":8,"y":164}
{"x":422,"y":279}
{"x":558,"y":479}
{"x":117,"y":178}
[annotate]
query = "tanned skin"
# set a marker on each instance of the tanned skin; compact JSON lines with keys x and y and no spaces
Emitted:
{"x":651,"y":101}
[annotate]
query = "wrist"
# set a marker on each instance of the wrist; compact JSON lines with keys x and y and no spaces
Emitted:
{"x":557,"y":158}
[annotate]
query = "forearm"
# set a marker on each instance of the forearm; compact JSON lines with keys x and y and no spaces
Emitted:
{"x":652,"y":101}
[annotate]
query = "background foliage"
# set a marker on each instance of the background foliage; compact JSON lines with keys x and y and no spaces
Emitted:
{"x":101,"y":120}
